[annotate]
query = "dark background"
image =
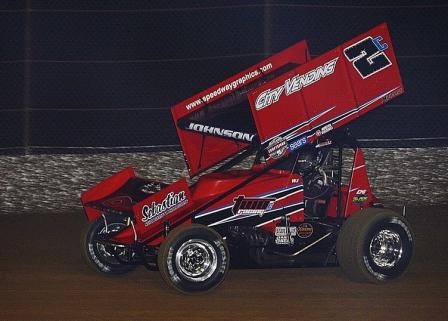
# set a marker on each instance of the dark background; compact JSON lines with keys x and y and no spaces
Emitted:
{"x":95,"y":76}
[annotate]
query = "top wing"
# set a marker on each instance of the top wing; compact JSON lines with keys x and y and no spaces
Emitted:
{"x":288,"y":100}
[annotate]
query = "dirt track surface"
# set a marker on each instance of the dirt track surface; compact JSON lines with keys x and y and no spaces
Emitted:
{"x":43,"y":277}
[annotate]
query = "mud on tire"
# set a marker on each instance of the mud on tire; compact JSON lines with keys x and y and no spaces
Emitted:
{"x":193,"y":259}
{"x":98,"y":256}
{"x":375,"y":245}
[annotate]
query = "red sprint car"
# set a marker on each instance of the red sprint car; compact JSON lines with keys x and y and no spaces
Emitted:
{"x":267,"y":187}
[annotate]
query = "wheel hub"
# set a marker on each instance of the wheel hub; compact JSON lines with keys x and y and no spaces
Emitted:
{"x":196,"y":260}
{"x":107,"y":251}
{"x":386,"y":248}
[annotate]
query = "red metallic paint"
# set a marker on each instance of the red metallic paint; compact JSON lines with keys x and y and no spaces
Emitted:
{"x":103,"y":189}
{"x":340,"y":95}
{"x":358,"y":182}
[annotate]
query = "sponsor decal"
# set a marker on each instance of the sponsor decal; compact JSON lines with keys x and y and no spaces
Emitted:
{"x":282,"y":231}
{"x":297,"y":143}
{"x":326,"y":129}
{"x":305,"y":230}
{"x":155,"y":211}
{"x":220,"y":132}
{"x":368,"y":56}
{"x":393,"y":94}
{"x":229,"y":86}
{"x":294,"y":84}
{"x":284,"y":240}
{"x":324,"y":143}
{"x":295,"y":181}
{"x":285,"y":237}
{"x":360,"y":196}
{"x":277,"y":147}
{"x":252,"y":205}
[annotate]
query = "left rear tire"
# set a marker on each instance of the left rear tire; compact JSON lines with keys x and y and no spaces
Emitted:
{"x":97,"y":254}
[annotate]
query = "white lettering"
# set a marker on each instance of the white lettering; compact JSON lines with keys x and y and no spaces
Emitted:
{"x":268,"y":97}
{"x":221,"y":132}
{"x":294,"y":84}
{"x":230,"y":86}
{"x":155,"y":211}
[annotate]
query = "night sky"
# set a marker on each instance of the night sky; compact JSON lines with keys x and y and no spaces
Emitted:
{"x":104,"y":73}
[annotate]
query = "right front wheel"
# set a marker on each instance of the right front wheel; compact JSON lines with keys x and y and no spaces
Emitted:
{"x":193,"y":259}
{"x":375,"y":245}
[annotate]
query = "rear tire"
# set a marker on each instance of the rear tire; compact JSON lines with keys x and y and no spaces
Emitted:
{"x":98,"y":256}
{"x":193,"y":259}
{"x":375,"y":245}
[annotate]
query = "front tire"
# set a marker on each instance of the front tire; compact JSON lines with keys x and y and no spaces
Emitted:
{"x":99,"y":255}
{"x":193,"y":259}
{"x":375,"y":245}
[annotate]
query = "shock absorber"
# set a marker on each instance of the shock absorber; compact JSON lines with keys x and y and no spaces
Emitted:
{"x":285,"y":220}
{"x":257,"y":237}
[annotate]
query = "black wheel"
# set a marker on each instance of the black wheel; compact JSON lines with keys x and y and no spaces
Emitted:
{"x":99,"y":255}
{"x":375,"y":245}
{"x":193,"y":259}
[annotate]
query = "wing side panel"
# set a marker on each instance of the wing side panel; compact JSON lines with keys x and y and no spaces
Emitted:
{"x":330,"y":90}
